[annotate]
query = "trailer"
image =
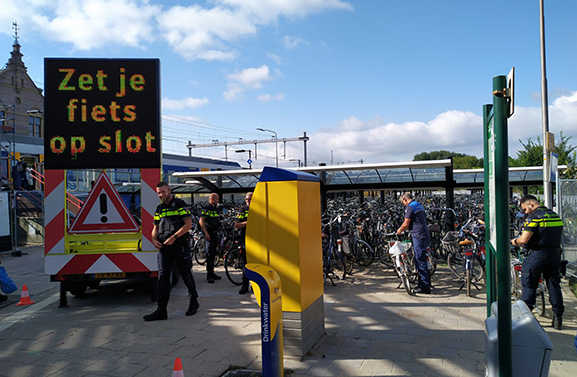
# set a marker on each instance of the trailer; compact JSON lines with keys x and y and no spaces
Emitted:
{"x":103,"y":241}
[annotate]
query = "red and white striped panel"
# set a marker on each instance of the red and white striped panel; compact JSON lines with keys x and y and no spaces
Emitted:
{"x":100,"y":263}
{"x":54,"y":212}
{"x":149,"y":178}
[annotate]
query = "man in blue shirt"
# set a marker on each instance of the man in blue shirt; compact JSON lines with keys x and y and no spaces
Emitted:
{"x":416,"y":223}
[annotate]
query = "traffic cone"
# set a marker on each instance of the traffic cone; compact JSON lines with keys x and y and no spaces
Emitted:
{"x":25,"y":297}
{"x":177,"y":372}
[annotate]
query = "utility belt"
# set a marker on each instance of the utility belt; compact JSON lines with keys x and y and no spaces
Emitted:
{"x":547,"y":249}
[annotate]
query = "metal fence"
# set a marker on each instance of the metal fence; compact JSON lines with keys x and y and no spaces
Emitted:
{"x":567,"y":206}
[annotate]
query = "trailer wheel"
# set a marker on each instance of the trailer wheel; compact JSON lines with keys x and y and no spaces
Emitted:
{"x":77,"y":288}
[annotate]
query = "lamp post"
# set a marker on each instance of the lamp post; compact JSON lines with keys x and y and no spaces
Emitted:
{"x":249,"y":156}
{"x":275,"y":141}
{"x":547,"y":190}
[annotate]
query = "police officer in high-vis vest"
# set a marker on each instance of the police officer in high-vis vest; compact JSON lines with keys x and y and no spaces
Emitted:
{"x":210,"y":224}
{"x":542,"y":232}
{"x":170,"y":236}
{"x":240,"y":223}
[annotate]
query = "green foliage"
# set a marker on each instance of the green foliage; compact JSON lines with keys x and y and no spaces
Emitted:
{"x":460,"y":160}
{"x":467,"y":162}
{"x":531,"y":155}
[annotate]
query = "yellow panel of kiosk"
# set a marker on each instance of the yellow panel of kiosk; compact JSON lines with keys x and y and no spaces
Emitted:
{"x":284,"y":232}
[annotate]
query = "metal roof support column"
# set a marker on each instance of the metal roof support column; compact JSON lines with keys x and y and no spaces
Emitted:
{"x":450,"y":193}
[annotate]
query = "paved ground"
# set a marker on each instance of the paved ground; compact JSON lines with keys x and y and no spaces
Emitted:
{"x":372,"y":329}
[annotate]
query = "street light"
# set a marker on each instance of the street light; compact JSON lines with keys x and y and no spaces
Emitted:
{"x":275,"y":141}
{"x":249,"y":156}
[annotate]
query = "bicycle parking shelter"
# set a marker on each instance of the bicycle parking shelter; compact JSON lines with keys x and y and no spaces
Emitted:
{"x":434,"y":175}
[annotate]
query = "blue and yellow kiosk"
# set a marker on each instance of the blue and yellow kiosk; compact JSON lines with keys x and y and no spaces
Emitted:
{"x":284,"y":233}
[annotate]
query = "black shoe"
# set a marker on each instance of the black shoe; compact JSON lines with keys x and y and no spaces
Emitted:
{"x":157,"y":315}
{"x":210,"y":280}
{"x":557,"y":322}
{"x":243,"y":290}
{"x":3,"y":298}
{"x":422,"y":291}
{"x":216,"y":277}
{"x":192,"y":307}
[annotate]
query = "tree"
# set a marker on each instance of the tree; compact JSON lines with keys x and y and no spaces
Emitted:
{"x":531,"y":155}
{"x":565,"y":151}
{"x":460,"y":160}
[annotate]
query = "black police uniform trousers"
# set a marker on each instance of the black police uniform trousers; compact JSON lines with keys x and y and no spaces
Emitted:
{"x":174,"y":255}
{"x":211,"y":252}
{"x":546,"y":262}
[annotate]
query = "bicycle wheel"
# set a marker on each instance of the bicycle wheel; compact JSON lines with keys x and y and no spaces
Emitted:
{"x":384,"y":256}
{"x":234,"y":266}
{"x":455,"y":262}
{"x":478,"y":272}
{"x":338,"y":265}
{"x":349,"y":263}
{"x":200,"y":251}
{"x":411,"y":263}
{"x":432,"y":265}
{"x":516,"y":289}
{"x":404,"y":275}
{"x":468,"y":281}
{"x":364,"y":253}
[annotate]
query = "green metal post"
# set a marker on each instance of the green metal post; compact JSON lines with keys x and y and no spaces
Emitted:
{"x":501,"y":225}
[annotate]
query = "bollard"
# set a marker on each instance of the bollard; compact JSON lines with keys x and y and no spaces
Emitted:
{"x":269,"y":296}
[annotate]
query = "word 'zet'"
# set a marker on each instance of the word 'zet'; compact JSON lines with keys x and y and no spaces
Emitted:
{"x":86,"y":81}
{"x":133,"y":144}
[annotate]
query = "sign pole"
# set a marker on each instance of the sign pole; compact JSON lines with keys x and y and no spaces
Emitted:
{"x":497,"y":196}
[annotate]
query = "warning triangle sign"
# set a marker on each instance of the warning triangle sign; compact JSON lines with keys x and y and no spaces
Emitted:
{"x":104,"y":211}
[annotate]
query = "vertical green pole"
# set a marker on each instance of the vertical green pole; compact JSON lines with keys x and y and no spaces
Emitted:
{"x":501,"y":226}
{"x":489,"y":250}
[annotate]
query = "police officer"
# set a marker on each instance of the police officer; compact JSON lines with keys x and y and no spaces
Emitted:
{"x":416,"y":223}
{"x":542,"y":232}
{"x":170,"y":235}
{"x":240,"y":223}
{"x":210,"y":224}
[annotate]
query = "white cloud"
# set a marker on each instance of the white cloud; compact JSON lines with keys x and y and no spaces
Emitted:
{"x":271,"y":98}
{"x":185,"y":103}
{"x":378,"y":141}
{"x":274,"y":57}
{"x":249,"y":78}
{"x":90,"y":24}
{"x":197,"y":32}
{"x":208,"y":31}
{"x":290,"y":43}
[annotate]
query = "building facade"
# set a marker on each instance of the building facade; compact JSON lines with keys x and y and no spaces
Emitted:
{"x":21,"y":122}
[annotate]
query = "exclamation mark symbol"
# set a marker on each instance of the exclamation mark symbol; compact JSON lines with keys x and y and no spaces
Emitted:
{"x":103,"y":208}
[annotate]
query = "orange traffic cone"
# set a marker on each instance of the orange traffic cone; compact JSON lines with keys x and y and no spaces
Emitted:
{"x":178,"y":372}
{"x":25,"y":297}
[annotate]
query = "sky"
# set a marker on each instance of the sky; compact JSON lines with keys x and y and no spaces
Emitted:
{"x":368,"y":81}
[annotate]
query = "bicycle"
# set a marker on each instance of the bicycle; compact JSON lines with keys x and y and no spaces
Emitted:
{"x":355,"y":247}
{"x":334,"y":262}
{"x":398,"y":252}
{"x":464,"y":260}
{"x":517,"y":257}
{"x":234,"y":262}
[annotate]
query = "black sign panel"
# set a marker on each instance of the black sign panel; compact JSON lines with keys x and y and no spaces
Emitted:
{"x":102,"y":113}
